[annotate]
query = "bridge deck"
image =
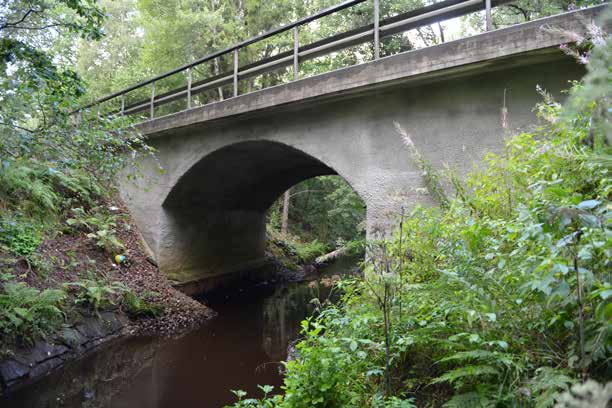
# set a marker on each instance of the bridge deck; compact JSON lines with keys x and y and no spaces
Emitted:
{"x":513,"y":46}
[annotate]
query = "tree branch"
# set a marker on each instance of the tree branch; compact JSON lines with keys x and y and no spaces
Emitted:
{"x":40,"y":27}
{"x":21,"y":20}
{"x":520,"y":10}
{"x":16,"y":127}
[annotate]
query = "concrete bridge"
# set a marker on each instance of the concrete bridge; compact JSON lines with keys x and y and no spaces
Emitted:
{"x":226,"y":163}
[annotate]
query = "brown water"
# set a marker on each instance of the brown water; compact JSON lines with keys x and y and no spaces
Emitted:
{"x":239,"y":349}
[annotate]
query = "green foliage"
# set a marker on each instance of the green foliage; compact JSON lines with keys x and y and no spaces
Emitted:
{"x":148,"y":37}
{"x":102,"y":226}
{"x":330,"y":369}
{"x":107,"y":240}
{"x":137,"y":306}
{"x":325,"y":209}
{"x":265,"y":402}
{"x":100,"y":294}
{"x":309,"y":251}
{"x":20,"y":238}
{"x":501,"y":298}
{"x":96,"y":294}
{"x":51,"y":159}
{"x":27,"y":313}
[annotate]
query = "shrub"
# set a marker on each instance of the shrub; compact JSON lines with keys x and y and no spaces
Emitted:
{"x":26,"y":312}
{"x":96,"y":294}
{"x":137,"y":306}
{"x":19,"y":237}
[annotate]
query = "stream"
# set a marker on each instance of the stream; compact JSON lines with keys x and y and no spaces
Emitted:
{"x":239,"y":349}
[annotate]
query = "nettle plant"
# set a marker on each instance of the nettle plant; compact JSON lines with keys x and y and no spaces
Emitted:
{"x":101,"y":225}
{"x":96,"y":294}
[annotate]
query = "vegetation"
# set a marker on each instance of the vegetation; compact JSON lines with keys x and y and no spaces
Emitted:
{"x":325,"y":208}
{"x":101,"y":226}
{"x":27,"y":313}
{"x":56,"y":168}
{"x":499,"y":298}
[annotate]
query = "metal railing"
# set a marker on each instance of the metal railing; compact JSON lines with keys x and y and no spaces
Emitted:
{"x":374,"y":31}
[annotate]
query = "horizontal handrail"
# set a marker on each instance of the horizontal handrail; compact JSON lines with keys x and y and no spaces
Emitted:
{"x":374,"y":31}
{"x":268,"y":34}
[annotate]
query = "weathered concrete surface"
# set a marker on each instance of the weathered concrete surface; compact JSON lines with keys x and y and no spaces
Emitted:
{"x":226,"y":163}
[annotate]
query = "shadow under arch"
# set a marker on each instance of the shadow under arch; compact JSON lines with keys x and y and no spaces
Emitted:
{"x":214,"y":231}
{"x":247,"y":175}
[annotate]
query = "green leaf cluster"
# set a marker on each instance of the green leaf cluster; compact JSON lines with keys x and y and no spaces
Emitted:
{"x":20,"y":238}
{"x":101,"y":225}
{"x":96,"y":294}
{"x":27,"y":313}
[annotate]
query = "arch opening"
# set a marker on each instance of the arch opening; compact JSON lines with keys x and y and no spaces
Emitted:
{"x":244,"y":176}
{"x":215,"y":219}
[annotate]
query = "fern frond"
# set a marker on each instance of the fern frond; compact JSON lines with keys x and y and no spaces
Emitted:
{"x":466,"y":373}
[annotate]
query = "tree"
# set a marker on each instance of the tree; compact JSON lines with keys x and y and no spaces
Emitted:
{"x":108,"y":64}
{"x":45,"y":152}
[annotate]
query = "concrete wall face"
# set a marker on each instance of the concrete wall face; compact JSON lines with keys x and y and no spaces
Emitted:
{"x":205,"y":216}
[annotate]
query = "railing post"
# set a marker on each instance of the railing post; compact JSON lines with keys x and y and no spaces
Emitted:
{"x":376,"y":29}
{"x":122,"y":104}
{"x":488,"y":17}
{"x":152,"y":100}
{"x":189,"y":88}
{"x":236,"y":72}
{"x":296,"y":50}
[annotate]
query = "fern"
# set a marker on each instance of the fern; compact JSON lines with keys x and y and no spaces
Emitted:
{"x":469,"y":400}
{"x":458,"y":376}
{"x":27,"y":312}
{"x":547,"y":384}
{"x":479,"y":354}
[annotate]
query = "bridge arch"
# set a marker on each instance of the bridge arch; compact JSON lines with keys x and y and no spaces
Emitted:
{"x":248,"y":175}
{"x":216,"y":212}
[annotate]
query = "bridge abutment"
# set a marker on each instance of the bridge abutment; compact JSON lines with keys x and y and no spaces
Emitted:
{"x":194,"y":243}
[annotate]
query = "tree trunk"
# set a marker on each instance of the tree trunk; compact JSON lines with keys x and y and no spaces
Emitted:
{"x":217,"y":72}
{"x":441,"y":32}
{"x":285,"y":217}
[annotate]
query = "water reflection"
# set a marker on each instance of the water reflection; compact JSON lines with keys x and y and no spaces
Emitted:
{"x":239,"y":349}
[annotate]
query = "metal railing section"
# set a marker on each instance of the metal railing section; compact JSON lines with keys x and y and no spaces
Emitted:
{"x":378,"y":29}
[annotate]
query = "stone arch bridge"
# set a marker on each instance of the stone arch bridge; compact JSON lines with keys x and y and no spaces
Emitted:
{"x":225,"y":163}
